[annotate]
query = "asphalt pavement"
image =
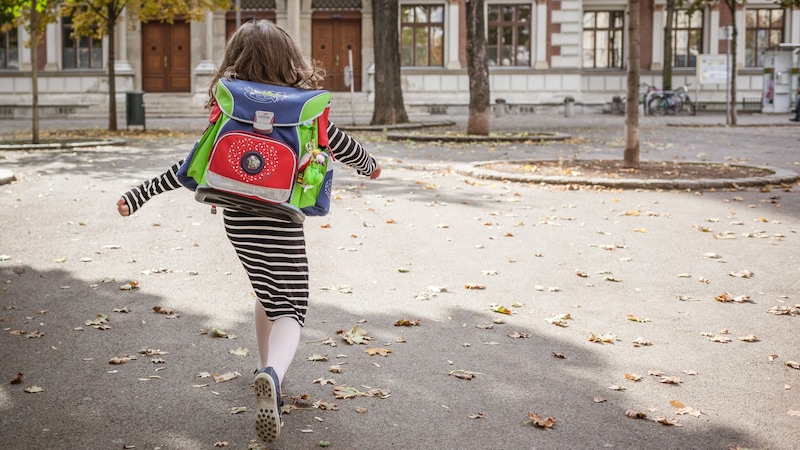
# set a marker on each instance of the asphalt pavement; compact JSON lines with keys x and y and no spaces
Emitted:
{"x":612,"y":318}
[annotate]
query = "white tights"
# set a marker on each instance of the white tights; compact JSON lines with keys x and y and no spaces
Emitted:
{"x":277,"y":341}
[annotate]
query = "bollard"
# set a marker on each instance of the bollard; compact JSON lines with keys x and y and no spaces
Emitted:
{"x":569,"y":107}
{"x":500,"y":107}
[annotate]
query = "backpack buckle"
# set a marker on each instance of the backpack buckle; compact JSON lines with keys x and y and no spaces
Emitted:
{"x":262,"y":122}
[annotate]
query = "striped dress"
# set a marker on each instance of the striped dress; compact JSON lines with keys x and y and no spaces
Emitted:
{"x":272,"y":250}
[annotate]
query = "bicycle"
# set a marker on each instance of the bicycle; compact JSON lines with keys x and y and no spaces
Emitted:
{"x":675,"y":102}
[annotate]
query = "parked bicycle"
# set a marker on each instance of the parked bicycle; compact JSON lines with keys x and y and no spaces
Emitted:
{"x":675,"y":102}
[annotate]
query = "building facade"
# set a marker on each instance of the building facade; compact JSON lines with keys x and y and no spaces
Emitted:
{"x":540,"y":52}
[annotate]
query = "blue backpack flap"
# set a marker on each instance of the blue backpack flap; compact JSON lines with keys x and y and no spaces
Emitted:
{"x":255,"y":164}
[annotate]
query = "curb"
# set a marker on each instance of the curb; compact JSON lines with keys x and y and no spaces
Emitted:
{"x":779,"y":176}
{"x":65,"y":145}
{"x":539,"y":137}
{"x":399,"y":126}
{"x":6,"y":176}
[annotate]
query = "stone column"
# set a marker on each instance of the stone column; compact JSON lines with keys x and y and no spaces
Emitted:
{"x":540,"y":35}
{"x":122,"y":66}
{"x":657,"y":46}
{"x":367,"y":47}
{"x":451,"y":38}
{"x":52,"y":38}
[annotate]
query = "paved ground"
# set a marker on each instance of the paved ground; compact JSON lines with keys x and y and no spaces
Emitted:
{"x":406,"y":247}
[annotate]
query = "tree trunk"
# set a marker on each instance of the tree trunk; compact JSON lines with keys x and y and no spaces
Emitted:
{"x":631,"y":102}
{"x":666,"y":72}
{"x":477,"y":70}
{"x":734,"y":36}
{"x":35,"y":72}
{"x":388,"y":108}
{"x":112,"y":73}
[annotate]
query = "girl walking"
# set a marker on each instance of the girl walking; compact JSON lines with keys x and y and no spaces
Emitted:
{"x":271,"y":248}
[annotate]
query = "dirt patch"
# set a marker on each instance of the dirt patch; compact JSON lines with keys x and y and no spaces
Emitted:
{"x":648,"y":170}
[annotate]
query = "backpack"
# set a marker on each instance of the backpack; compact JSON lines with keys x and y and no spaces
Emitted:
{"x":265,"y":151}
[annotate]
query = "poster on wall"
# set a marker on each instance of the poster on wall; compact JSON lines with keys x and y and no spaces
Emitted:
{"x":712,"y":69}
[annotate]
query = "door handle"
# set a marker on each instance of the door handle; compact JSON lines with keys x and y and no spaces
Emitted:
{"x":336,"y":60}
{"x":165,"y":61}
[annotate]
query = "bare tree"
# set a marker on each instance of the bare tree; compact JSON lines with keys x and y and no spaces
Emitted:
{"x":389,"y":108}
{"x":631,"y":159}
{"x":34,"y":15}
{"x":477,"y":70}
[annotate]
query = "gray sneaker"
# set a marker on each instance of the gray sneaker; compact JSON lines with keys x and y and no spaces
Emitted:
{"x":268,"y":409}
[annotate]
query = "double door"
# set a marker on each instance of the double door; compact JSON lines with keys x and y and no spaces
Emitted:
{"x":332,"y":40}
{"x":166,"y":57}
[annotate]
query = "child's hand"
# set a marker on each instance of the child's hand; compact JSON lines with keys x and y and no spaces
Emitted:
{"x":375,"y":173}
{"x":122,"y":207}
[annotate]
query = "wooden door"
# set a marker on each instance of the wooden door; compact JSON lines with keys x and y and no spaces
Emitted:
{"x":331,"y":38}
{"x":166,"y":57}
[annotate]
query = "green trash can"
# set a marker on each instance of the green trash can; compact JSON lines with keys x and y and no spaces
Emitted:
{"x":134,"y":109}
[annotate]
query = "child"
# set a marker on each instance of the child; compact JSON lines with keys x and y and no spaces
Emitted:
{"x":271,"y":249}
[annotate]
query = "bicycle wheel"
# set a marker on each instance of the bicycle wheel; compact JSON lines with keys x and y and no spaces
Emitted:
{"x":657,"y":106}
{"x":688,"y":106}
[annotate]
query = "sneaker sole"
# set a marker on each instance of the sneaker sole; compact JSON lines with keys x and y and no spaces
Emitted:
{"x":268,"y":415}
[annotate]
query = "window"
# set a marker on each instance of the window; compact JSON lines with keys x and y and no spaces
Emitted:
{"x":9,"y":49}
{"x":687,"y":38}
{"x":602,"y":39}
{"x":764,"y":29}
{"x":509,"y":41}
{"x":80,"y":52}
{"x":422,"y":35}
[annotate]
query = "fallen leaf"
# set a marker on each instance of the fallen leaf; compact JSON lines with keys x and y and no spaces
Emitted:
{"x":476,"y":416}
{"x":793,"y":364}
{"x":16,"y":379}
{"x":603,"y":338}
{"x":633,"y":377}
{"x":671,"y":380}
{"x":241,"y":351}
{"x":119,"y":360}
{"x":559,"y":319}
{"x":238,"y":410}
{"x":474,"y":286}
{"x":749,"y":338}
{"x":742,"y":274}
{"x":324,"y":381}
{"x":640,"y":319}
{"x":356,"y":335}
{"x":34,"y":389}
{"x":635,"y":415}
{"x":372,"y":351}
{"x":463,"y":374}
{"x":666,"y":421}
{"x":228,"y":376}
{"x":315,"y":357}
{"x":500,"y":309}
{"x":536,"y":420}
{"x":639,"y":342}
{"x":406,"y":323}
{"x":344,"y":392}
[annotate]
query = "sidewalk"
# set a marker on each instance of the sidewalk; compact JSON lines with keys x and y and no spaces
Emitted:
{"x":645,"y":303}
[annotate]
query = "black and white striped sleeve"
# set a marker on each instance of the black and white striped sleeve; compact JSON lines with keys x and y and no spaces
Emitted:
{"x":349,"y":151}
{"x":167,"y":181}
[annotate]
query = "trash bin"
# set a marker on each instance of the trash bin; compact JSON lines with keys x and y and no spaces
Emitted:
{"x":617,"y":105}
{"x":569,"y":107}
{"x":134,"y":109}
{"x":500,"y":107}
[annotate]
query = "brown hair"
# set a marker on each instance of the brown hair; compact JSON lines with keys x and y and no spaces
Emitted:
{"x":262,"y":52}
